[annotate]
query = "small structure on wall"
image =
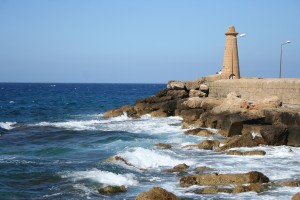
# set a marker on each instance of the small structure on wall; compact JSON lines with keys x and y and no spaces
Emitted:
{"x":231,"y":69}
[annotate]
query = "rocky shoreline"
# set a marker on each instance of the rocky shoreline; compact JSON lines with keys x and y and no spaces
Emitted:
{"x":244,"y":122}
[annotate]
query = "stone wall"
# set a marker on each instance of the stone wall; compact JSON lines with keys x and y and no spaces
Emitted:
{"x":288,"y":90}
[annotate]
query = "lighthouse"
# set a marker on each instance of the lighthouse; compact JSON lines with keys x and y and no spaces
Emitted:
{"x":231,"y":69}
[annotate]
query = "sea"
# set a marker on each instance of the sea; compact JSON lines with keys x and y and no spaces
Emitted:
{"x":55,"y":144}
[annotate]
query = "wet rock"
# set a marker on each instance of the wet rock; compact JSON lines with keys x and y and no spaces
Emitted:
{"x":246,"y":140}
{"x":246,"y":153}
{"x":112,"y":189}
{"x":276,"y":134}
{"x":294,"y":136}
{"x":296,"y":196}
{"x":157,"y":193}
{"x":159,"y":113}
{"x":163,"y":145}
{"x":199,"y":132}
{"x":119,"y":158}
{"x":287,"y":183}
{"x":213,"y":190}
{"x":208,"y":144}
{"x":253,"y":187}
{"x":202,"y":168}
{"x":175,"y":85}
{"x":177,"y":168}
{"x":223,"y":179}
{"x":129,"y":110}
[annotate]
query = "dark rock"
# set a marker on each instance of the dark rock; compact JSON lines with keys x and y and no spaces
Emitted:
{"x":271,"y":134}
{"x":191,"y":114}
{"x":223,"y":179}
{"x":163,"y":145}
{"x":213,"y":190}
{"x":120,"y":111}
{"x":162,"y":93}
{"x":112,"y":189}
{"x":202,"y":168}
{"x":157,"y":193}
{"x":177,"y":94}
{"x":177,"y":168}
{"x":246,"y":153}
{"x":159,"y":113}
{"x":253,"y":187}
{"x":208,"y":144}
{"x":246,"y":140}
{"x":294,"y":136}
{"x":199,"y":132}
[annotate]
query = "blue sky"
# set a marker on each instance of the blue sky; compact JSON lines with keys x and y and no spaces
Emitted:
{"x":139,"y":41}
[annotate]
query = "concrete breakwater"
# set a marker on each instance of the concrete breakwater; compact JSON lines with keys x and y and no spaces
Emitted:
{"x":287,"y":90}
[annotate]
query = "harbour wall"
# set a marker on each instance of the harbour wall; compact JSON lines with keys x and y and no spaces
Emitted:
{"x":287,"y":89}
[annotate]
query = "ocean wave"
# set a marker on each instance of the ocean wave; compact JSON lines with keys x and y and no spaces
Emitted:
{"x":7,"y":125}
{"x":104,"y":177}
{"x":150,"y":159}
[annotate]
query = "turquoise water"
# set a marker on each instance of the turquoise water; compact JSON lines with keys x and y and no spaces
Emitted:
{"x":54,"y":144}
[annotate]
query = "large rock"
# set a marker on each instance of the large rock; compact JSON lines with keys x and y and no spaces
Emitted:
{"x":196,"y":93}
{"x":294,"y":136}
{"x":233,"y":103}
{"x":271,"y":134}
{"x":268,"y":102}
{"x":191,"y":114}
{"x":177,"y":94}
{"x":157,"y":193}
{"x":177,"y":168}
{"x":112,"y":189}
{"x":253,"y":187}
{"x":230,"y":124}
{"x":246,"y":153}
{"x":175,"y":85}
{"x":203,"y":87}
{"x":246,"y":140}
{"x":192,"y":85}
{"x":223,"y":179}
{"x":208,"y":144}
{"x":129,"y":110}
{"x":199,"y":132}
{"x":205,"y":103}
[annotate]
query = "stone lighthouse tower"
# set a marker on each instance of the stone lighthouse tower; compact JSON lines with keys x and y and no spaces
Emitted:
{"x":231,"y":69}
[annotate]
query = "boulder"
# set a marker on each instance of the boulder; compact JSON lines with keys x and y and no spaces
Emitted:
{"x":159,"y":113}
{"x":161,"y":93}
{"x":246,"y":153}
{"x":199,"y":132}
{"x":163,"y":145}
{"x":202,"y":168}
{"x":296,"y":196}
{"x":177,"y":94}
{"x":177,"y":168}
{"x":192,"y":85}
{"x":203,"y":87}
{"x":191,"y":114}
{"x":197,"y":93}
{"x":253,"y":187}
{"x":176,"y":85}
{"x":293,"y":136}
{"x":193,"y":102}
{"x":111,"y":189}
{"x":157,"y":193}
{"x":276,"y":134}
{"x":213,"y":190}
{"x":233,"y":103}
{"x":208,"y":144}
{"x":246,"y":140}
{"x":287,"y":183}
{"x":129,"y":110}
{"x":223,"y":179}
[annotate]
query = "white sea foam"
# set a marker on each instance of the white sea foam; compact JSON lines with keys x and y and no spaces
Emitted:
{"x":151,"y":159}
{"x":11,"y":102}
{"x":7,"y":125}
{"x":104,"y":177}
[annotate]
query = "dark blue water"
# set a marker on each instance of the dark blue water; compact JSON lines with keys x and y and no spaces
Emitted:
{"x":55,"y":144}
